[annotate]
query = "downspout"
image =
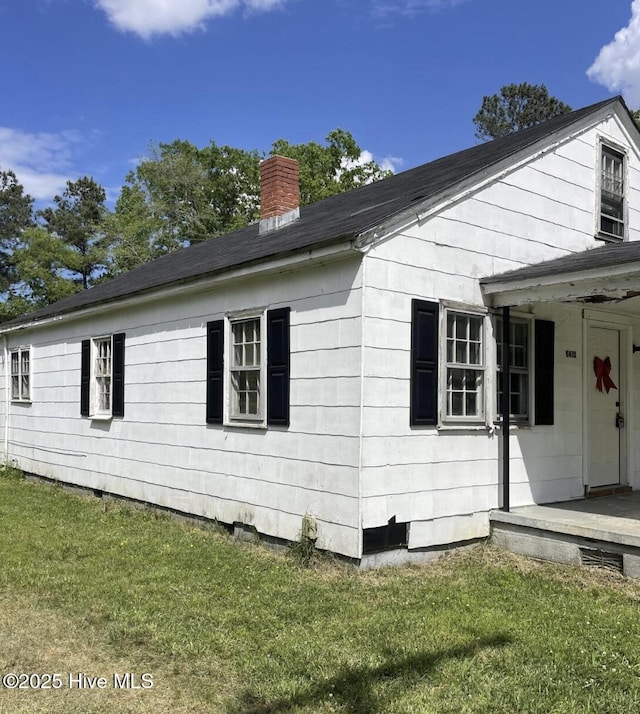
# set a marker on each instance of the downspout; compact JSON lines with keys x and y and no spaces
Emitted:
{"x":6,"y":398}
{"x":506,"y":396}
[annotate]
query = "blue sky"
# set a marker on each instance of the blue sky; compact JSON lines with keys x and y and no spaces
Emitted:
{"x":87,"y":84}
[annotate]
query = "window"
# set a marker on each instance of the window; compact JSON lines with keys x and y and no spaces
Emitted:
{"x":102,"y":377}
{"x":246,"y":369}
{"x":20,"y":375}
{"x":464,"y":394}
{"x":519,"y":367}
{"x":248,"y":381}
{"x":611,"y":193}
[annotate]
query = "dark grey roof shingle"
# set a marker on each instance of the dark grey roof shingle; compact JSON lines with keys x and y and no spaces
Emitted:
{"x":323,"y":223}
{"x":604,"y":256}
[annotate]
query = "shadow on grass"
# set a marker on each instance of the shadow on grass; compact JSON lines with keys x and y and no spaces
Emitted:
{"x":353,"y":687}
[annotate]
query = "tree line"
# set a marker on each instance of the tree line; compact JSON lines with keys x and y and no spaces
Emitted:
{"x":180,"y":195}
{"x":177,"y":196}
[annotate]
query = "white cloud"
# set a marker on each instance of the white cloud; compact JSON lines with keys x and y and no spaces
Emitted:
{"x":41,"y":161}
{"x":173,"y":17}
{"x":409,"y":8}
{"x":617,"y":66}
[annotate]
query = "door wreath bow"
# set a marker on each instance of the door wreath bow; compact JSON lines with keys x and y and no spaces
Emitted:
{"x":602,"y":370}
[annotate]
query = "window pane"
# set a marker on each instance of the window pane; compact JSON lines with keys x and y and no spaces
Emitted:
{"x":471,"y":404}
{"x":15,"y":387}
{"x":457,"y":404}
{"x":15,"y":363}
{"x":461,"y":352}
{"x":450,"y":324}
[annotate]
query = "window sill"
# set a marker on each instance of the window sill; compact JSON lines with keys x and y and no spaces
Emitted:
{"x":246,"y":424}
{"x":607,"y":238}
{"x":27,"y":402}
{"x":101,"y":417}
{"x":463,"y":426}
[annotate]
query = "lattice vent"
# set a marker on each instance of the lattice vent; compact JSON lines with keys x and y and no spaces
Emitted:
{"x":598,"y":558}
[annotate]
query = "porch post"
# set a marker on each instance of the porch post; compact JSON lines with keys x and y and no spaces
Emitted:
{"x":506,"y":396}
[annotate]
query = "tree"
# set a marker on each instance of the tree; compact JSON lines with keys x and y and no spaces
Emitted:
{"x":77,"y":223}
{"x":182,"y":194}
{"x":635,"y":115}
{"x":518,"y":106}
{"x":42,"y":263}
{"x":16,"y":214}
{"x":328,"y":170}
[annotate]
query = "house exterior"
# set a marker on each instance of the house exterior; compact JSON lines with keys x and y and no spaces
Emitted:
{"x":337,"y":369}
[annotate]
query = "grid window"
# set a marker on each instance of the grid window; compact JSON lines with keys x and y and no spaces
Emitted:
{"x":20,"y":375}
{"x":518,"y":369}
{"x":102,"y":375}
{"x":464,"y":366}
{"x":246,"y":369}
{"x":612,"y":193}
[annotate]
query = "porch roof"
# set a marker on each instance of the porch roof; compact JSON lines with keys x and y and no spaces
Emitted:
{"x":609,"y":272}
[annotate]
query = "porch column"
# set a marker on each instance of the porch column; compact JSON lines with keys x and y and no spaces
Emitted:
{"x":506,"y":396}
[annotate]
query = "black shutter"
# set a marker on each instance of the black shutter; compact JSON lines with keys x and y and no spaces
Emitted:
{"x":215,"y":376}
{"x":85,"y":377}
{"x":278,"y":367}
{"x":424,"y":363}
{"x":117,"y":406}
{"x":543,"y":363}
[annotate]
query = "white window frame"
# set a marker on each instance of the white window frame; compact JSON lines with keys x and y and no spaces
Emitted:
{"x":522,"y":419}
{"x":98,"y":381}
{"x":446,"y":365}
{"x":616,"y":152}
{"x":231,"y":369}
{"x":20,"y":393}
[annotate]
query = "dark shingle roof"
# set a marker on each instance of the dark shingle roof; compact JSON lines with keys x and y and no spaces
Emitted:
{"x":326,"y":222}
{"x":605,"y":256}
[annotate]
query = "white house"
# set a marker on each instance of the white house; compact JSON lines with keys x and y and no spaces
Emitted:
{"x":340,"y":365}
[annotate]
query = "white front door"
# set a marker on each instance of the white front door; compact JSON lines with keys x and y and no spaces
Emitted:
{"x":604,"y":394}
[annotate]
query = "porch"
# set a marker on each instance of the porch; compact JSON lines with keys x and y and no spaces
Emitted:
{"x":603,"y":532}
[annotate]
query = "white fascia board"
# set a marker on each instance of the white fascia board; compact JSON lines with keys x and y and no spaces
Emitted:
{"x":281,"y":265}
{"x":467,"y":187}
{"x":614,"y":282}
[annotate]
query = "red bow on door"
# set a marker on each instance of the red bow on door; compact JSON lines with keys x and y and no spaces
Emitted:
{"x":602,"y":370}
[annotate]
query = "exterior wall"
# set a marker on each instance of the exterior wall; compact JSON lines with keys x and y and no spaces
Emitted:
{"x":444,"y":480}
{"x":163,"y":452}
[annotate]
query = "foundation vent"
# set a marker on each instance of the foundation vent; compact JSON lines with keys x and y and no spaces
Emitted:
{"x":597,"y":558}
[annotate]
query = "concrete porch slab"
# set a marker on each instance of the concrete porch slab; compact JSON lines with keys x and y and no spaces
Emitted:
{"x":568,"y":532}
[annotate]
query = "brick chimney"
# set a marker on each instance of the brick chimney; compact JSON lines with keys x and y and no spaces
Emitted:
{"x":279,"y":192}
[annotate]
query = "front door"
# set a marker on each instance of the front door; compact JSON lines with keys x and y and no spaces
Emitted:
{"x":604,"y":394}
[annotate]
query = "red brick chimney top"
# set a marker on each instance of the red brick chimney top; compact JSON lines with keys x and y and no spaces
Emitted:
{"x":279,"y":188}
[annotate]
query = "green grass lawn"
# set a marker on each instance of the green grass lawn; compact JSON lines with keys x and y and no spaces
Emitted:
{"x":96,"y":587}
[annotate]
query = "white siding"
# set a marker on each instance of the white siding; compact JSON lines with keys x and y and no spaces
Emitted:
{"x":163,"y":452}
{"x":443,"y":481}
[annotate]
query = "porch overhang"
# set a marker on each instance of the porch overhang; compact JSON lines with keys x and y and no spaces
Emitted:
{"x":609,"y":273}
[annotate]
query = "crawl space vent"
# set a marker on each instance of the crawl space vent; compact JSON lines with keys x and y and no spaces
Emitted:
{"x":597,"y":558}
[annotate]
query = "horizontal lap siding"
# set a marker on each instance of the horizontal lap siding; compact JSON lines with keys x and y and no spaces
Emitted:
{"x":443,"y":482}
{"x":164,"y":452}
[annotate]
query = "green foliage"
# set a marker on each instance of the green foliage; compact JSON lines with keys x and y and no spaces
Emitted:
{"x":635,"y":115}
{"x":77,"y":220}
{"x":178,"y":196}
{"x":43,"y":261}
{"x":516,"y":107}
{"x":16,"y":214}
{"x":328,"y":170}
